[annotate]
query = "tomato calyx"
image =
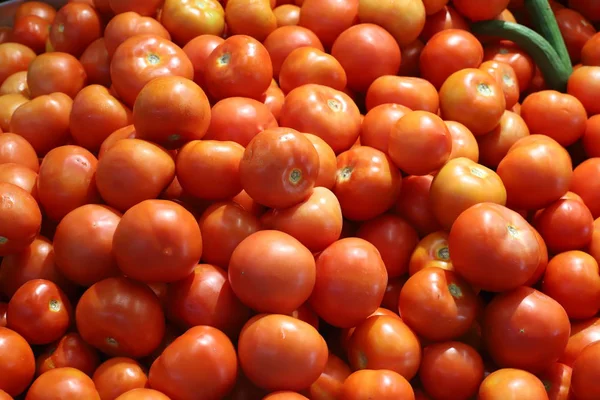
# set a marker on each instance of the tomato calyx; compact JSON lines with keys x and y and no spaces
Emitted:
{"x":54,"y":305}
{"x":484,"y":89}
{"x":335,"y":105}
{"x":514,"y":232}
{"x":455,"y":290}
{"x":224,"y":59}
{"x":295,"y":176}
{"x":443,"y":254}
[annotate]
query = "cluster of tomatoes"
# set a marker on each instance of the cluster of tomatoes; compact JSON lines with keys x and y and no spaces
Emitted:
{"x":285,"y":200}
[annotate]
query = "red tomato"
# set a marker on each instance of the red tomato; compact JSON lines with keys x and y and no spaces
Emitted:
{"x":287,"y":14}
{"x":378,"y":123}
{"x":240,"y":66}
{"x":76,"y":26}
{"x":414,"y":93}
{"x":589,"y":55}
{"x":31,"y":31}
{"x":284,"y":395}
{"x":329,"y":384}
{"x":16,"y":83}
{"x":503,"y":238}
{"x":142,"y":394}
{"x":96,"y":63}
{"x":254,"y":18}
{"x":506,"y":77}
{"x":566,"y":224}
{"x":3,"y":308}
{"x":146,"y":8}
{"x":8,"y":104}
{"x":385,"y":342}
{"x":70,"y":351}
{"x":14,"y":57}
{"x":129,"y":24}
{"x":583,"y":333}
{"x":279,"y":168}
{"x":43,"y":121}
{"x":323,"y":111}
{"x":464,"y":143}
{"x":328,"y":19}
{"x":20,"y":219}
{"x":239,"y":119}
{"x":536,"y":171}
{"x":576,"y":30}
{"x":273,"y":98}
{"x":366,"y":42}
{"x":510,"y":383}
{"x":447,"y":52}
{"x":284,"y":40}
{"x":431,"y":251}
{"x":327,"y":162}
{"x":119,"y":375}
{"x":557,"y":115}
{"x":64,"y":383}
{"x":139,"y":59}
{"x":306,"y":65}
{"x":437,"y":304}
{"x":582,"y":84}
{"x":320,"y":212}
{"x":21,"y":176}
{"x":186,"y":19}
{"x":420,"y":143}
{"x":380,"y":384}
{"x":403,"y":19}
{"x":351,"y":281}
{"x":446,"y":18}
{"x":18,"y":363}
{"x":451,"y":371}
{"x":278,"y":352}
{"x":154,"y":234}
{"x":478,"y":11}
{"x":514,"y":56}
{"x":493,"y":146}
{"x":367,"y":184}
{"x":586,"y":373}
{"x":37,"y":8}
{"x":198,"y":50}
{"x":525,"y":329}
{"x":585,"y":183}
{"x":257,"y":260}
{"x":557,"y":380}
{"x":120,"y":317}
{"x":413,"y":204}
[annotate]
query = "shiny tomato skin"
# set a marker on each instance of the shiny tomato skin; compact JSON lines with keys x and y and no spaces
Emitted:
{"x":576,"y":31}
{"x":575,"y":221}
{"x":464,"y":143}
{"x":526,"y":329}
{"x":96,"y":63}
{"x":308,"y":64}
{"x":431,"y":251}
{"x":14,"y":57}
{"x":125,"y":25}
{"x":586,"y":184}
{"x":284,"y":40}
{"x":198,"y":50}
{"x":119,"y":375}
{"x":536,"y":171}
{"x":157,"y":241}
{"x":477,"y":11}
{"x":20,"y":219}
{"x":9,"y":104}
{"x":56,"y":72}
{"x":403,"y":19}
{"x":328,"y":19}
{"x":557,"y":381}
{"x":37,"y":8}
{"x":331,"y":380}
{"x":15,"y":149}
{"x":514,"y":56}
{"x":451,"y":371}
{"x":378,"y":123}
{"x":437,"y":304}
{"x":445,"y":18}
{"x":254,"y":18}
{"x":506,"y":77}
{"x":139,"y":59}
{"x":382,"y":383}
{"x":142,"y":394}
{"x":63,"y":383}
{"x":327,"y":162}
{"x":494,"y":145}
{"x":385,"y":342}
{"x":344,"y":299}
{"x":363,"y":172}
{"x":20,"y":176}
{"x":186,"y":20}
{"x":76,"y":26}
{"x":31,"y":31}
{"x":584,"y":381}
{"x":583,"y":333}
{"x":582,"y":84}
{"x":16,"y":83}
{"x":18,"y":362}
{"x":278,"y":352}
{"x":120,"y":317}
{"x":70,"y":351}
{"x":510,"y":383}
{"x":414,"y":93}
{"x":503,"y":238}
{"x":146,"y":8}
{"x":413,"y":204}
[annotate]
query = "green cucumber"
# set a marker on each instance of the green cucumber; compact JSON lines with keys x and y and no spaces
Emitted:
{"x":545,"y":23}
{"x":555,"y":72}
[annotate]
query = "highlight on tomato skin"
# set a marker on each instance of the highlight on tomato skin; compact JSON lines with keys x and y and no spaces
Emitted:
{"x":299,"y":199}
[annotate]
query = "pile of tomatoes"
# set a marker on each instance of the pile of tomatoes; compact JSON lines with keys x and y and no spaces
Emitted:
{"x":296,"y":199}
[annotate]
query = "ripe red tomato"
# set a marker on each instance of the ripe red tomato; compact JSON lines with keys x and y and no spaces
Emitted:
{"x":186,"y":20}
{"x":139,"y":59}
{"x":506,"y":77}
{"x":16,"y":149}
{"x":198,"y":49}
{"x":240,"y":66}
{"x":586,"y":373}
{"x":258,"y":260}
{"x":146,"y":8}
{"x":328,"y":19}
{"x":413,"y":204}
{"x":582,"y":84}
{"x":55,"y":72}
{"x":200,"y":364}
{"x":447,"y":52}
{"x":3,"y":308}
{"x":278,"y":352}
{"x":493,"y":146}
{"x":351,"y":281}
{"x":70,"y":351}
{"x":445,"y":18}
{"x":385,"y":342}
{"x":589,"y":56}
{"x":75,"y":26}
{"x":284,"y":395}
{"x":128,"y":24}
{"x":576,"y":30}
{"x":119,"y":375}
{"x":464,"y":143}
{"x":37,"y":8}
{"x":20,"y":219}
{"x":557,"y":381}
{"x":367,"y":183}
{"x":377,"y":124}
{"x":18,"y":363}
{"x":96,"y":63}
{"x":287,"y":14}
{"x":31,"y":31}
{"x":414,"y":93}
{"x":327,"y":162}
{"x":420,"y":143}
{"x":64,"y":383}
{"x":120,"y":317}
{"x":323,"y":111}
{"x":536,"y":171}
{"x":306,"y":65}
{"x":254,"y":18}
{"x":142,"y":394}
{"x":503,"y":238}
{"x":512,"y":383}
{"x":21,"y":176}
{"x":329,"y":384}
{"x":478,"y":11}
{"x":451,"y":371}
{"x":284,"y":40}
{"x":8,"y":104}
{"x":155,"y":234}
{"x":15,"y":84}
{"x":381,"y":384}
{"x":431,"y":251}
{"x":14,"y":57}
{"x":585,"y":184}
{"x":403,"y":19}
{"x":526,"y":329}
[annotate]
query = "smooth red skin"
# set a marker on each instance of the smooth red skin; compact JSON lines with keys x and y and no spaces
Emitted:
{"x":119,"y":375}
{"x":31,"y":31}
{"x":576,"y":30}
{"x":66,"y":180}
{"x":277,"y":352}
{"x":18,"y":362}
{"x":70,"y":351}
{"x":327,"y":162}
{"x":21,"y":176}
{"x":3,"y":309}
{"x":582,"y":84}
{"x":285,"y":39}
{"x":384,"y":384}
{"x":506,"y":77}
{"x":516,"y":58}
{"x":75,"y":26}
{"x":575,"y":221}
{"x":395,"y":239}
{"x":146,"y":8}
{"x":583,"y":333}
{"x":525,"y":329}
{"x":410,"y":58}
{"x":594,"y":248}
{"x":509,"y":383}
{"x":130,"y":68}
{"x":476,"y":11}
{"x":284,"y":395}
{"x":413,"y":204}
{"x":15,"y":84}
{"x":273,"y":98}
{"x":142,"y":394}
{"x":128,"y":24}
{"x":14,"y":57}
{"x":377,"y":125}
{"x":446,"y":18}
{"x":586,"y":183}
{"x":37,"y":8}
{"x":329,"y":384}
{"x":287,"y":14}
{"x":239,"y":119}
{"x":589,"y":54}
{"x":557,"y":380}
{"x":449,"y":51}
{"x":585,"y":377}
{"x":16,"y":149}
{"x":56,"y":72}
{"x":311,"y":65}
{"x":494,"y":145}
{"x":63,"y":384}
{"x":206,"y":298}
{"x":96,"y":63}
{"x":351,"y":266}
{"x":199,"y":365}
{"x":451,"y":371}
{"x":414,"y":93}
{"x":198,"y":50}
{"x":20,"y":219}
{"x":328,"y":19}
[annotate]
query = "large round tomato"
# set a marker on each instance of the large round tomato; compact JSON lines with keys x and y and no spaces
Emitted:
{"x":284,"y":40}
{"x":403,"y":19}
{"x":311,"y":65}
{"x":96,"y":63}
{"x":75,"y":26}
{"x":118,"y":375}
{"x":55,"y":72}
{"x":15,"y":149}
{"x":125,"y":25}
{"x":510,"y":383}
{"x":186,"y":20}
{"x":254,"y":18}
{"x":380,"y":384}
{"x":119,"y":316}
{"x":20,"y":219}
{"x":65,"y":383}
{"x":329,"y":18}
{"x":586,"y":184}
{"x":378,"y":123}
{"x":431,"y":251}
{"x":14,"y":57}
{"x":18,"y":363}
{"x":31,"y":31}
{"x":414,"y":93}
